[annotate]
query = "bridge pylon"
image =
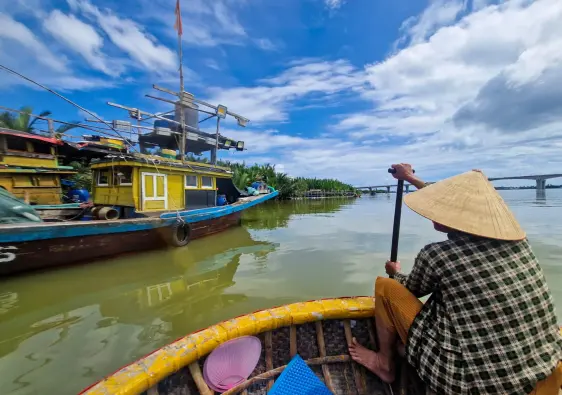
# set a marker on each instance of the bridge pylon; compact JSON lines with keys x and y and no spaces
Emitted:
{"x":541,"y":184}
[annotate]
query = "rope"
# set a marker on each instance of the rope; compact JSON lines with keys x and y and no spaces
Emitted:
{"x":62,"y":97}
{"x":9,"y":70}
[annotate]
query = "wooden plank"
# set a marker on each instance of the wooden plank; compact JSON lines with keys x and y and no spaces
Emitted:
{"x":3,"y":145}
{"x":25,"y":154}
{"x":358,"y":372}
{"x":269,"y":356}
{"x":198,"y":378}
{"x":293,"y":340}
{"x":322,"y":350}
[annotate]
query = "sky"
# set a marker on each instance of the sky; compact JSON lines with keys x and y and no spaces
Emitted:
{"x":332,"y":88}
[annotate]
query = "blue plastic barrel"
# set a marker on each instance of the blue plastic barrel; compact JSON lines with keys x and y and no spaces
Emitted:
{"x":221,"y":200}
{"x":79,"y":195}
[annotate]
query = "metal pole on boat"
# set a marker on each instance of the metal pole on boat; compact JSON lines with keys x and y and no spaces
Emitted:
{"x":178,"y":26}
{"x":217,"y":141}
{"x":51,"y":128}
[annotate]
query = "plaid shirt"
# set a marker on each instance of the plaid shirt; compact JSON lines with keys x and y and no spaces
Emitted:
{"x":489,"y":325}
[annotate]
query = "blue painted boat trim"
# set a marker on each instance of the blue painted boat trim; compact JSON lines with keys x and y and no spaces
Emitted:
{"x":77,"y":229}
{"x":44,"y":231}
{"x":55,"y":206}
{"x":203,"y":214}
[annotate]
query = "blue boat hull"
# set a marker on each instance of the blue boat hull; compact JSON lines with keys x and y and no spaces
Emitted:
{"x":25,"y":247}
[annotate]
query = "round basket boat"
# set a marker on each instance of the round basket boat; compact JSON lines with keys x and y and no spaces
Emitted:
{"x":319,"y":331}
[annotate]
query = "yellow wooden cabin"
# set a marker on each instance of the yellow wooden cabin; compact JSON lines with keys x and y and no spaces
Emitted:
{"x":151,"y":186}
{"x":29,"y":167}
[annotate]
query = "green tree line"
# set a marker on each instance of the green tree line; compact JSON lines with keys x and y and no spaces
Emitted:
{"x":244,"y":175}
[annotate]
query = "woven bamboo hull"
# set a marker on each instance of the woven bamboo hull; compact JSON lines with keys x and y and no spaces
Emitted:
{"x":318,"y":331}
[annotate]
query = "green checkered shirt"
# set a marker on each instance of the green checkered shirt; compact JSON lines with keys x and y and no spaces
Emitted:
{"x":489,"y":325}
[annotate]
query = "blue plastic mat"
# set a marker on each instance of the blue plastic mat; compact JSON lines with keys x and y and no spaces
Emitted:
{"x":298,"y":379}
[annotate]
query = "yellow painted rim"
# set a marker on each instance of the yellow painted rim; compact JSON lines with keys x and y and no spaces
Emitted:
{"x":148,"y":371}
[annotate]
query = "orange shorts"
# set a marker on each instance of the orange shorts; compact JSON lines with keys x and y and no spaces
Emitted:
{"x":397,"y":307}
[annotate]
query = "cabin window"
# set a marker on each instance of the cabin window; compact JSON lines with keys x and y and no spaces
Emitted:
{"x":42,"y":148}
{"x":123,"y":176}
{"x":207,"y":182}
{"x":191,"y":181}
{"x":16,"y":144}
{"x":103,"y":178}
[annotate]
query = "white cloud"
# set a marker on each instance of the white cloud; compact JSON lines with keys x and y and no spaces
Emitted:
{"x":130,"y":37}
{"x":482,"y":91}
{"x":205,"y":23}
{"x":334,"y":4}
{"x":82,"y":38}
{"x":468,"y":86}
{"x":37,"y":60}
{"x":479,"y":4}
{"x":212,"y":63}
{"x":12,"y":30}
{"x":420,"y":88}
{"x":271,"y":100}
{"x":439,"y":13}
{"x":265,"y":44}
{"x":260,"y":141}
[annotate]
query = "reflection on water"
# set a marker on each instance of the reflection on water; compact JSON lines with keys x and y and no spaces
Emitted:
{"x":97,"y":317}
{"x":540,"y":196}
{"x":277,"y":215}
{"x":77,"y":324}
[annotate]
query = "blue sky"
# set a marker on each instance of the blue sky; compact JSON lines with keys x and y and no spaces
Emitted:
{"x":333,"y":88}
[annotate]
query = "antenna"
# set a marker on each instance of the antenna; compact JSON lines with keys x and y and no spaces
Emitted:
{"x":61,"y":96}
{"x":188,"y":100}
{"x":179,"y":27}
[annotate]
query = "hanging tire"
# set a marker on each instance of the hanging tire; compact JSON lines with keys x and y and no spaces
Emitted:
{"x":180,"y":234}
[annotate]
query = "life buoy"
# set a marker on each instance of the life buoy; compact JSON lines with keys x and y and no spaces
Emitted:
{"x":180,"y":234}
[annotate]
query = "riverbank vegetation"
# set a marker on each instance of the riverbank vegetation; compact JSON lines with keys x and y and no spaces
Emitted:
{"x":288,"y":187}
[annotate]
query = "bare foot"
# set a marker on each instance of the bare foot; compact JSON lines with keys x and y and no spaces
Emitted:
{"x":372,"y":361}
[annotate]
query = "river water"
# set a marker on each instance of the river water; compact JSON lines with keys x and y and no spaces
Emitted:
{"x":64,"y":329}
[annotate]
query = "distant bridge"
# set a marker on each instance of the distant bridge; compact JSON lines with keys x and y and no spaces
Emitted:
{"x":539,"y":178}
{"x":373,"y":188}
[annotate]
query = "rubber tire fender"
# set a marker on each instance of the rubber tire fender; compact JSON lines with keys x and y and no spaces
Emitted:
{"x":180,"y":234}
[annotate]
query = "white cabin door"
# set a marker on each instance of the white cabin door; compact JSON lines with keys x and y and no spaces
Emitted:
{"x":154,"y":191}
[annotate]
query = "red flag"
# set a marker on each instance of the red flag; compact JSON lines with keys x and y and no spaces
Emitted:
{"x":178,"y":26}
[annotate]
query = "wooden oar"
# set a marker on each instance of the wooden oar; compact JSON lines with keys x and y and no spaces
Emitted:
{"x":394,"y":258}
{"x":397,"y":216}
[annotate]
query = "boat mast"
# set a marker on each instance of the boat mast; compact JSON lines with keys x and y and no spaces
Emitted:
{"x":179,"y":28}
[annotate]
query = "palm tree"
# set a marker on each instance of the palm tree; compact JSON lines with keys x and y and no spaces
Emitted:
{"x":24,"y":121}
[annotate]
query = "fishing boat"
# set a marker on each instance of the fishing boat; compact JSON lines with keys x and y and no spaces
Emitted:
{"x":319,"y":331}
{"x":30,"y":170}
{"x":132,"y":217}
{"x":35,"y":168}
{"x":139,"y":201}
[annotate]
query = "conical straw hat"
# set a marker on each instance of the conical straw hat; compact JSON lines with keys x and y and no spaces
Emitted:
{"x":469,"y":203}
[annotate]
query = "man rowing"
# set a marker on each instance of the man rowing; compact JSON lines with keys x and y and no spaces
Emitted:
{"x":489,"y":325}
